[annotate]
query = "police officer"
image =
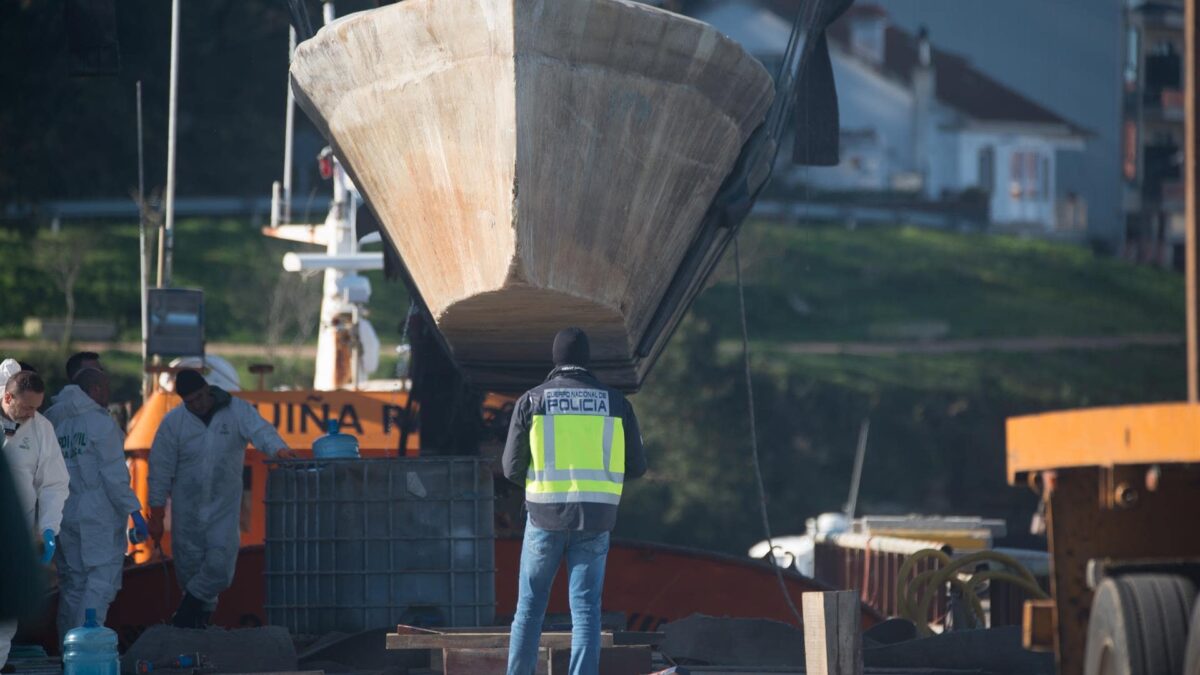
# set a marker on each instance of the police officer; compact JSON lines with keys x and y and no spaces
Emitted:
{"x":572,"y":444}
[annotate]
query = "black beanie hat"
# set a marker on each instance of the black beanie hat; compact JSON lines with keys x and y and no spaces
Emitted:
{"x":571,"y":348}
{"x":188,"y":382}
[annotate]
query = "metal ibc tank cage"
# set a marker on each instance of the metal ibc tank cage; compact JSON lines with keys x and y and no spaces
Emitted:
{"x":358,"y":544}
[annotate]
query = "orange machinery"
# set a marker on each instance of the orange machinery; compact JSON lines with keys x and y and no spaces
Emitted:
{"x":1121,"y":490}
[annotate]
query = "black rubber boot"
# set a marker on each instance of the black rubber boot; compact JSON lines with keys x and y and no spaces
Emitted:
{"x":189,"y":613}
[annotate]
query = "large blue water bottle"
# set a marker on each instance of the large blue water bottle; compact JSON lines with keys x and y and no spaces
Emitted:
{"x":335,"y":445}
{"x":90,"y":649}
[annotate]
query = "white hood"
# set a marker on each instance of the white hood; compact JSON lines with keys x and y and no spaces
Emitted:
{"x":71,"y":402}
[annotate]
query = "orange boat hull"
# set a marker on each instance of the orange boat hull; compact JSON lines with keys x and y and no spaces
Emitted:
{"x":651,"y":584}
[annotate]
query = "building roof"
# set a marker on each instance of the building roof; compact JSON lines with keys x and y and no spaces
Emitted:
{"x":958,"y":84}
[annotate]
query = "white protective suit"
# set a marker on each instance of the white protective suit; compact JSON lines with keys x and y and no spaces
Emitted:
{"x":200,"y":467}
{"x":41,"y":482}
{"x":91,"y":548}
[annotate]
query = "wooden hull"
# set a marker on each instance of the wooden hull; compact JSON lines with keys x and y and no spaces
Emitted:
{"x":536,"y":164}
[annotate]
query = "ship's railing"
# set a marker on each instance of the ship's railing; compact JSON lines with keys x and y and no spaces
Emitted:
{"x":870,"y":564}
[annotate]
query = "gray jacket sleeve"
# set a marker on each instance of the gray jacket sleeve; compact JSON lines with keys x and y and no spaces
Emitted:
{"x":255,"y":429}
{"x":113,"y":471}
{"x":517,"y":453}
{"x":164,"y":453}
{"x":635,"y":454}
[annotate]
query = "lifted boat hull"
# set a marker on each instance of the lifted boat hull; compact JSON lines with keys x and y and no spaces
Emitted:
{"x":536,"y":164}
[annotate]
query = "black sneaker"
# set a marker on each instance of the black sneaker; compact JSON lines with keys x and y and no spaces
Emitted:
{"x":189,"y":613}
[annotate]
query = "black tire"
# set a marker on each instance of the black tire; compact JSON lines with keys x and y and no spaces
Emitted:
{"x":1139,"y":625}
{"x":1191,"y":660}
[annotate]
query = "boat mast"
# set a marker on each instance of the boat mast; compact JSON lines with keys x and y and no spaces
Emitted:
{"x":143,"y":253}
{"x":167,"y":234}
{"x":346,"y":343}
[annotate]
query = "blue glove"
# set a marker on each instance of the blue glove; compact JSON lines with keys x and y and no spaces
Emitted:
{"x":50,"y":545}
{"x":140,"y":532}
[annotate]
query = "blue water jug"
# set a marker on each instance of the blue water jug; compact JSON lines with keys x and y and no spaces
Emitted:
{"x":90,"y":649}
{"x":335,"y":445}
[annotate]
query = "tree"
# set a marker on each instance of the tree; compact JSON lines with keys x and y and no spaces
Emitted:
{"x":295,"y":310}
{"x":62,"y":256}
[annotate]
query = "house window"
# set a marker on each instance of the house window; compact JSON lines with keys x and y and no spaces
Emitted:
{"x":1029,"y":176}
{"x":987,"y":169}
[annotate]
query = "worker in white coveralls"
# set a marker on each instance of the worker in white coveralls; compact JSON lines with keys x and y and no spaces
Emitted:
{"x":91,"y":548}
{"x":196,"y":459}
{"x":39,"y":475}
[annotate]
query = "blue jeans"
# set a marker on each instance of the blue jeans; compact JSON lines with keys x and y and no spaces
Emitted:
{"x":541,"y":553}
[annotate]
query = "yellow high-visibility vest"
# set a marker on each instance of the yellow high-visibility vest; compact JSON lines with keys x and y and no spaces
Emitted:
{"x":578,"y":450}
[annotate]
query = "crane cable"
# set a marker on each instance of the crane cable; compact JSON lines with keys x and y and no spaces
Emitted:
{"x":758,"y":479}
{"x":794,"y":58}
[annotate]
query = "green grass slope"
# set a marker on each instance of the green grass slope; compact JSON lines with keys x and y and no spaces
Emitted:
{"x":937,"y":420}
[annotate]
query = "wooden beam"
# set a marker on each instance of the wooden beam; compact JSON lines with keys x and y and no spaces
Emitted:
{"x":1191,"y":177}
{"x":613,"y":661}
{"x":832,"y":637}
{"x":493,"y":640}
{"x":484,"y":662}
{"x":1037,"y":625}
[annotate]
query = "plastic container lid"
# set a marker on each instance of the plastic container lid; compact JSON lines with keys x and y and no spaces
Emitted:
{"x":91,"y":636}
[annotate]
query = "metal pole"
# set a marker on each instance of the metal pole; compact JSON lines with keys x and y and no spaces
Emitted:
{"x":289,"y":130}
{"x":165,"y":242}
{"x":859,"y":456}
{"x":143,"y":253}
{"x":1192,"y":178}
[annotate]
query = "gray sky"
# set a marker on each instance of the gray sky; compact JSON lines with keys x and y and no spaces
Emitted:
{"x":1064,"y":54}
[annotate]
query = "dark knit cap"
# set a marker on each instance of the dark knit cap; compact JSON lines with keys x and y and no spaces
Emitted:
{"x":188,"y":382}
{"x":571,"y":348}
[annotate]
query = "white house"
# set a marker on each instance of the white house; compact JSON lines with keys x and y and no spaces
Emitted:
{"x":917,"y":119}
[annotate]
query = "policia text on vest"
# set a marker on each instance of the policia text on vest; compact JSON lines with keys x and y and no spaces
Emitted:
{"x":572,"y":445}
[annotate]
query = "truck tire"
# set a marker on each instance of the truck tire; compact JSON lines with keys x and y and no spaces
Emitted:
{"x":1139,"y":625}
{"x":1191,"y":660}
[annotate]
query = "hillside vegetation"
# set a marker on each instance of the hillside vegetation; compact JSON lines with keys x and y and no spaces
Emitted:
{"x":937,"y":420}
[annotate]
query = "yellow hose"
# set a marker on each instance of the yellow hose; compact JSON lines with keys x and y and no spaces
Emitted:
{"x":915,"y":595}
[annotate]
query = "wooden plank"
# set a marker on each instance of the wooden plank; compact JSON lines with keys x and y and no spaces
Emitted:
{"x":832,"y":638}
{"x":1037,"y":625}
{"x":484,"y":662}
{"x":478,"y":640}
{"x":620,"y":637}
{"x":634,"y":638}
{"x":613,"y":661}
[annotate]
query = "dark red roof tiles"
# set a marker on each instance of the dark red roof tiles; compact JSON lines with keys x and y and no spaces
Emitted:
{"x":958,"y":84}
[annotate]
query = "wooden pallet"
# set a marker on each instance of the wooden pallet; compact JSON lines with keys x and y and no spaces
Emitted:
{"x":483,"y":651}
